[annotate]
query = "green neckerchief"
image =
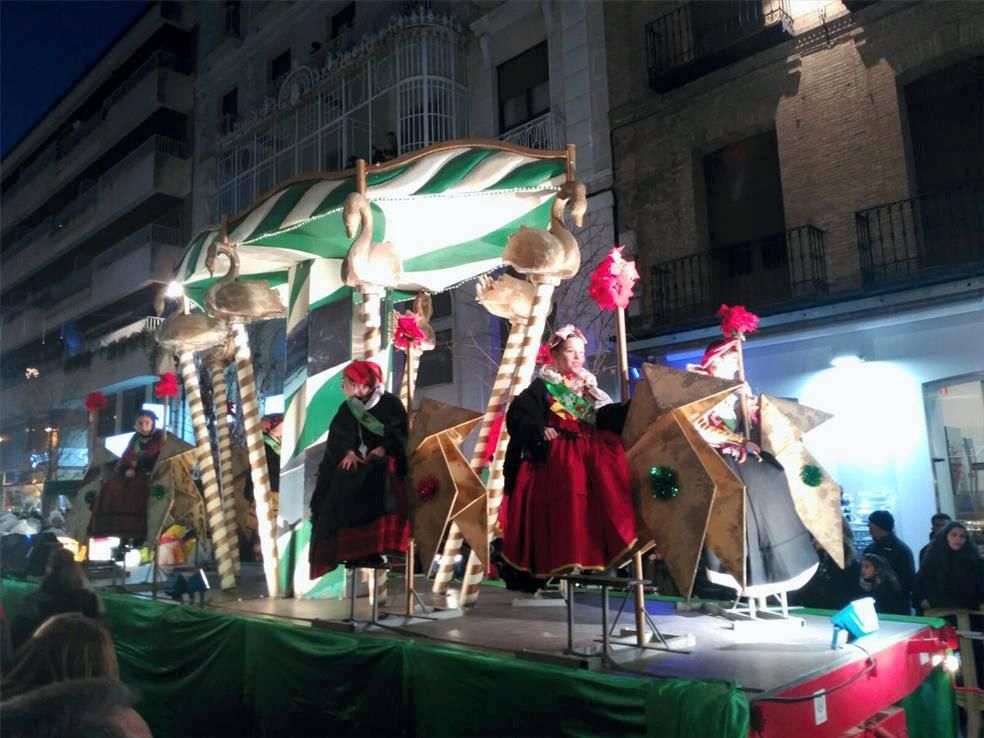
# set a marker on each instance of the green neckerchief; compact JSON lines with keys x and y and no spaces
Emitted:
{"x":572,"y":402}
{"x":370,"y":422}
{"x":272,"y":442}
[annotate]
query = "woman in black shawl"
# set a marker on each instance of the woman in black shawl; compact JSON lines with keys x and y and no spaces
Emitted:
{"x":359,"y":509}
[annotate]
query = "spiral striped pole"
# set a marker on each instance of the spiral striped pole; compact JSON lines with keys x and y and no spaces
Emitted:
{"x":206,"y":465}
{"x":496,"y":405}
{"x":220,"y":395}
{"x":372,"y":345}
{"x":409,"y":382}
{"x":266,"y":521}
{"x":475,"y":570}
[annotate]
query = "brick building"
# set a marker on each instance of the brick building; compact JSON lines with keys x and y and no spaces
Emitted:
{"x":822,"y":163}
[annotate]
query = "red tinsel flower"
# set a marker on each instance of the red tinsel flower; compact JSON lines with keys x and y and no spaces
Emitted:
{"x":167,"y":386}
{"x":495,"y":430}
{"x":407,"y":333}
{"x":736,"y":321}
{"x":543,"y":356}
{"x":427,"y":487}
{"x":95,"y":401}
{"x":613,"y":280}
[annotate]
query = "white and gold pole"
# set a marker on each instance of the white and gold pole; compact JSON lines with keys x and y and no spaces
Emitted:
{"x":532,"y":334}
{"x":220,"y":396}
{"x":501,"y":388}
{"x":206,"y":465}
{"x":266,"y":519}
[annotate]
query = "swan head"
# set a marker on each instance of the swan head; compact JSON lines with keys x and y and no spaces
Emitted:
{"x":352,"y":213}
{"x":576,"y":194}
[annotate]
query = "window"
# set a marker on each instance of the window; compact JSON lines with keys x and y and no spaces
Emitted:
{"x":524,"y":87}
{"x":342,"y":21}
{"x":133,"y":400}
{"x":437,"y":366}
{"x":229,"y":110}
{"x":280,"y":66}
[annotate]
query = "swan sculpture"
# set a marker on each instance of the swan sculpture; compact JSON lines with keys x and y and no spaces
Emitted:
{"x":191,"y":332}
{"x":506,"y":297}
{"x":236,"y":301}
{"x":367,"y":263}
{"x":553,"y":252}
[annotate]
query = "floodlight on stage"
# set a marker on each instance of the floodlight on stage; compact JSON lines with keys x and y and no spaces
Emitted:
{"x":857,"y":619}
{"x":843,"y":360}
{"x":174,"y":290}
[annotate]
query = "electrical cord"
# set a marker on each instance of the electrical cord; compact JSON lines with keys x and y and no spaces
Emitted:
{"x":868,"y":668}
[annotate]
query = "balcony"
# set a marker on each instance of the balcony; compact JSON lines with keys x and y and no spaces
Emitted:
{"x":700,"y":37}
{"x":770,"y":273}
{"x":160,"y":165}
{"x":543,"y":132}
{"x":155,"y":84}
{"x":925,"y":239}
{"x":146,"y":256}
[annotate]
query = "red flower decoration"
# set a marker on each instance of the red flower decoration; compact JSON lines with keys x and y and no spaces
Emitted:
{"x":613,"y":280}
{"x":427,"y":487}
{"x":167,"y":386}
{"x":736,"y":321}
{"x":495,"y":430}
{"x":407,"y":333}
{"x":95,"y":401}
{"x":543,"y":356}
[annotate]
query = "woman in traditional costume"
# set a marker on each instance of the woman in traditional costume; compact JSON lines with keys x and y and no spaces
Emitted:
{"x":120,"y":508}
{"x":779,"y":547}
{"x":359,"y":507}
{"x":569,"y":499}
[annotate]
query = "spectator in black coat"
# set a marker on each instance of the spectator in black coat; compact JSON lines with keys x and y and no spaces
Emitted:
{"x":64,"y":589}
{"x":879,"y":581}
{"x":952,"y":574}
{"x":887,"y":545}
{"x":832,"y":588}
{"x":937,"y":523}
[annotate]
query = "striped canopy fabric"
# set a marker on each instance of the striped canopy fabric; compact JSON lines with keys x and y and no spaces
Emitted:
{"x":449,"y":210}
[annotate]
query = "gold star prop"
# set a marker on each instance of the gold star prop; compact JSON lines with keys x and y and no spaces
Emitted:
{"x":784,"y":423}
{"x":660,"y":432}
{"x":434,"y":450}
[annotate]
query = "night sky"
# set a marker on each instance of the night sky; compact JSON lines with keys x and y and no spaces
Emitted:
{"x":44,"y":48}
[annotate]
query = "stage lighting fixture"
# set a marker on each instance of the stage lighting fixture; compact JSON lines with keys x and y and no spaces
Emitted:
{"x":857,"y":619}
{"x":174,"y":290}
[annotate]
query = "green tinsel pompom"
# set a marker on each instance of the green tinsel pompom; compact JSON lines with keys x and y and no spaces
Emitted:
{"x":158,"y":492}
{"x":811,"y":475}
{"x":663,"y":480}
{"x":90,"y":497}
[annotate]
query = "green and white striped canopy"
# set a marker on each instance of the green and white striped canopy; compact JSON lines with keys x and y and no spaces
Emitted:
{"x":449,"y":210}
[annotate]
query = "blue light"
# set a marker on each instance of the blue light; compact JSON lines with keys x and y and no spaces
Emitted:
{"x":634,"y":373}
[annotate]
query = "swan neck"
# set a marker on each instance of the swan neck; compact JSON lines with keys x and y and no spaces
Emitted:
{"x":233,"y":274}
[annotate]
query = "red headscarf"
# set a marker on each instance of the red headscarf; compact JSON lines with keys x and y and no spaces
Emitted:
{"x":364,"y":372}
{"x":717,"y":350}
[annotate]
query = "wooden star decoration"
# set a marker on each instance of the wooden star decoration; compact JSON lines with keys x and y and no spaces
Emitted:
{"x":710,"y":509}
{"x":434,"y":451}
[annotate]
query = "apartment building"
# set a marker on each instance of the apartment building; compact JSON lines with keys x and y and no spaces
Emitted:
{"x":96,"y":209}
{"x":822,"y":163}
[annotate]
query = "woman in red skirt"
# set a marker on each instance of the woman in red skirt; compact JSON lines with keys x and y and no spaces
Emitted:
{"x":569,"y":500}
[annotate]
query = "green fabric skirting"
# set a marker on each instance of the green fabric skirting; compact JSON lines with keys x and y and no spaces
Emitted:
{"x":204,"y":673}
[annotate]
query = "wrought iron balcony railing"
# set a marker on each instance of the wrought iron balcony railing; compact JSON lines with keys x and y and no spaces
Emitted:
{"x":768,"y":272}
{"x":699,"y":37}
{"x":930,"y":236}
{"x":543,"y":132}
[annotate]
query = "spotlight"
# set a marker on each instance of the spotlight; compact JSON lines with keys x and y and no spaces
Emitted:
{"x":951,"y":663}
{"x":174,"y":290}
{"x":846,"y":360}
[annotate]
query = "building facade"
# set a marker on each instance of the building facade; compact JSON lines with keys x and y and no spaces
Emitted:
{"x":96,"y":203}
{"x":821,"y":163}
{"x":286,"y":89}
